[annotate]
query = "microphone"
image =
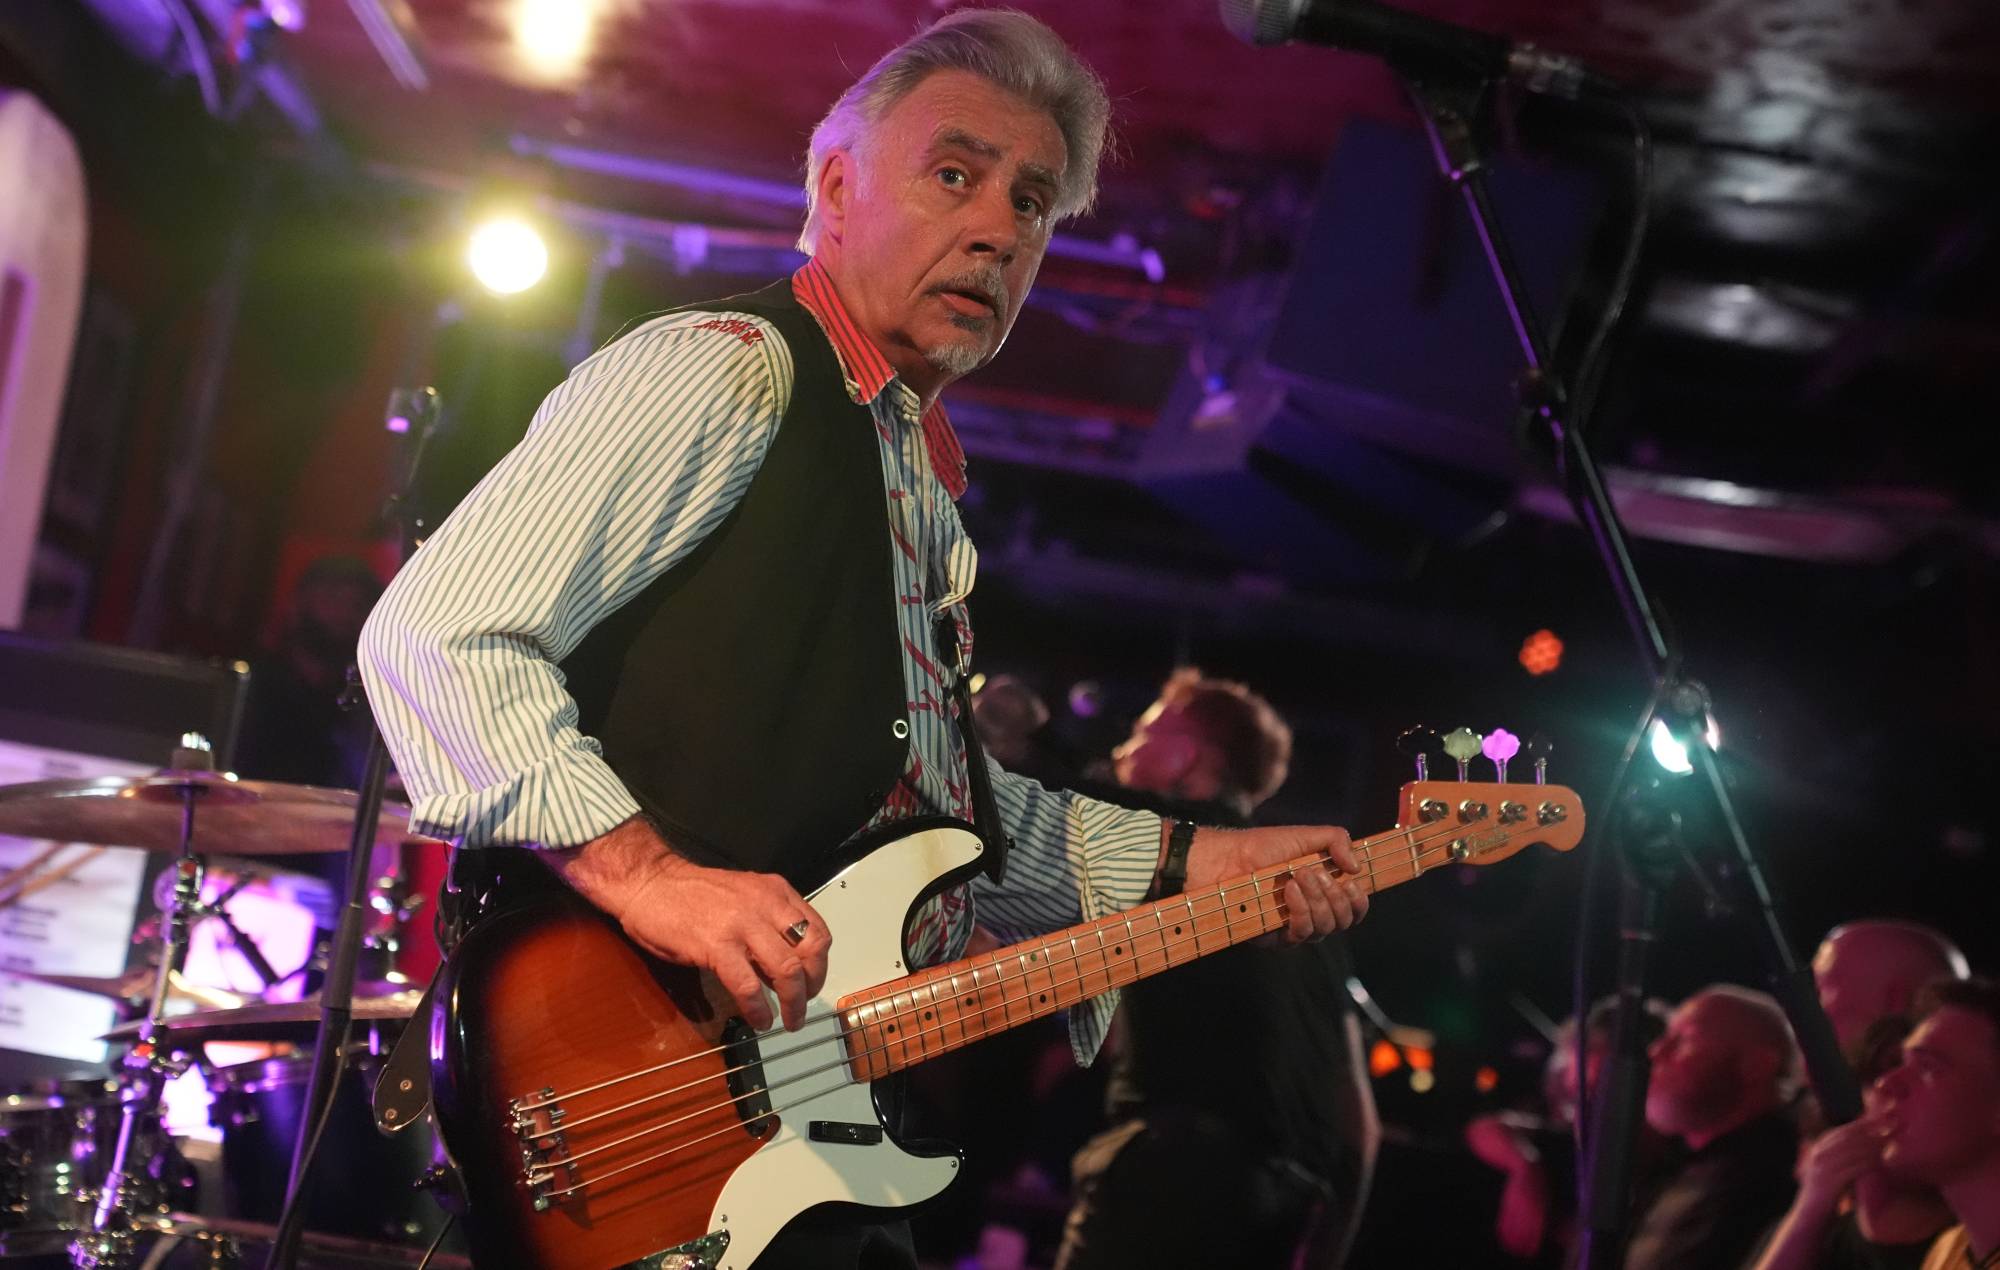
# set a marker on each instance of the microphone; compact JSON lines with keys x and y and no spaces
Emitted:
{"x":1410,"y":43}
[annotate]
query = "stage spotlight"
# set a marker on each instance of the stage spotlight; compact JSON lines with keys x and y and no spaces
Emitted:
{"x":1669,"y":751}
{"x":553,"y":35}
{"x":507,"y":255}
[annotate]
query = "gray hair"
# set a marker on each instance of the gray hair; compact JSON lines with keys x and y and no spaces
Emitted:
{"x":1003,"y":46}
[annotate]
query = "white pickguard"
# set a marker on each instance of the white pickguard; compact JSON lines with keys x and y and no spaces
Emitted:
{"x":864,"y":908}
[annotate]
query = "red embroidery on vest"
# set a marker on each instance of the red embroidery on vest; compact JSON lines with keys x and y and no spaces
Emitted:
{"x":742,"y":330}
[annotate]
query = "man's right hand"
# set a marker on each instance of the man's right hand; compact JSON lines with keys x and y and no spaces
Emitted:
{"x":730,"y":923}
{"x":1835,"y":1159}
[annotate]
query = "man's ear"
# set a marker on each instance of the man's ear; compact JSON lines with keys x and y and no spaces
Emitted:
{"x":836,"y":187}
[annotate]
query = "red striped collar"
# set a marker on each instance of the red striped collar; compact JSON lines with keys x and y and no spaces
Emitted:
{"x":868,"y":372}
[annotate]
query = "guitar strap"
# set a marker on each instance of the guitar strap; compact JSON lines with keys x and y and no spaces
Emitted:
{"x":985,"y":812}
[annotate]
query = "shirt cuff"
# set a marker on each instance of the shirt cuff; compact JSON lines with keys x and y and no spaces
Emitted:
{"x":1121,"y":851}
{"x":564,"y":801}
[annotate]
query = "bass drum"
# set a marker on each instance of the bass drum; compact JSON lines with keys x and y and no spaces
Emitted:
{"x":363,"y":1184}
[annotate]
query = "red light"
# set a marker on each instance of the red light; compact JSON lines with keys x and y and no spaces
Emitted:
{"x":1383,"y":1059}
{"x":1486,"y":1080}
{"x":1541,"y":652}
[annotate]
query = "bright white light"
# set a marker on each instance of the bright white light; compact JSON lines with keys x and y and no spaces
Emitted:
{"x":554,"y":35}
{"x":507,"y":255}
{"x":1668,"y":751}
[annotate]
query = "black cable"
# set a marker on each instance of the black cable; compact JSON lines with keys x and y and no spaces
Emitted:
{"x":1590,"y":367}
{"x":443,"y":1230}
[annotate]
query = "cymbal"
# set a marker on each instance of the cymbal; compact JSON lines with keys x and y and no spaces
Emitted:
{"x":275,"y":1020}
{"x":136,"y":984}
{"x":230,"y":815}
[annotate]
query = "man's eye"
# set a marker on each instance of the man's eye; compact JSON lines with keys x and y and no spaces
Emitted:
{"x":1029,"y":206}
{"x":953,"y":177}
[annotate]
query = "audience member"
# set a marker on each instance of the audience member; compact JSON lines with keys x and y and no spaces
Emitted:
{"x":1869,"y":974}
{"x":1723,"y":1073}
{"x":1013,"y":727}
{"x":1244,"y":1126}
{"x":1536,"y":1220}
{"x":1939,"y":1112}
{"x":1850,"y":1213}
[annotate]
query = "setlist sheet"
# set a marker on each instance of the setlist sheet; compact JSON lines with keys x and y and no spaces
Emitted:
{"x":65,"y":908}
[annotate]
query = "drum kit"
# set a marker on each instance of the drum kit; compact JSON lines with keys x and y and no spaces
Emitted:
{"x":90,"y":1176}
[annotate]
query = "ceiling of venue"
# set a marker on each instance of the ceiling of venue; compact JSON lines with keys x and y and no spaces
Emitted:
{"x":1806,"y":370}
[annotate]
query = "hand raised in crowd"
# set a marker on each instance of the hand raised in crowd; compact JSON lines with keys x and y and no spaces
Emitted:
{"x":1318,"y":900}
{"x":1835,"y":1159}
{"x":738,"y":926}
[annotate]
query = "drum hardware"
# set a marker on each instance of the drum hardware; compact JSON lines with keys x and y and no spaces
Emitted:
{"x":238,"y":816}
{"x":192,"y":783}
{"x":90,"y":1169}
{"x":134,"y":984}
{"x":374,"y":1003}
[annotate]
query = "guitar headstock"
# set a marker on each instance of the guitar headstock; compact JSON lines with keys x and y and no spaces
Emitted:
{"x":1496,"y":818}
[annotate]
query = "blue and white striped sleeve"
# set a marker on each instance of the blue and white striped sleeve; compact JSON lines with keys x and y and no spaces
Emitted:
{"x":625,"y":468}
{"x":1074,"y":860}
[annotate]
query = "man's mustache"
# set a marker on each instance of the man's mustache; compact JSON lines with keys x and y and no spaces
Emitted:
{"x":985,"y":282}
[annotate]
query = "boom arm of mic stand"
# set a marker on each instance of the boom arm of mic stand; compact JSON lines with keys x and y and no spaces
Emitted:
{"x":1448,"y":106}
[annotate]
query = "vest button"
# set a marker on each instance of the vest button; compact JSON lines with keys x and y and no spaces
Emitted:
{"x":900,"y":730}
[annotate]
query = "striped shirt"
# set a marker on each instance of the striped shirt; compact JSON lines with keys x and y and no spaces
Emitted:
{"x":626,"y":467}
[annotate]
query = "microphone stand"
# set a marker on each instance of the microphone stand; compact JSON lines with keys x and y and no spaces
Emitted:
{"x":1644,"y":827}
{"x":416,"y":415}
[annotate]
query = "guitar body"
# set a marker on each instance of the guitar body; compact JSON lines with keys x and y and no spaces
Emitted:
{"x":605,"y":1109}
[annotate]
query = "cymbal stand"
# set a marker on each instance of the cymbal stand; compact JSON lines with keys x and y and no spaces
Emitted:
{"x":126,"y":1192}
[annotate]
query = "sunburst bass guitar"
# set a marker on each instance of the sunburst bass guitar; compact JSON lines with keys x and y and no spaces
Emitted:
{"x":606,"y":1110}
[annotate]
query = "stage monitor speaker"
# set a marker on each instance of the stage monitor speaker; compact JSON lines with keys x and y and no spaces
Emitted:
{"x":1391,"y":325}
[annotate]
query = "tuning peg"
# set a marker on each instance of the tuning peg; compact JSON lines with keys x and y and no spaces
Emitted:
{"x":1500,"y":745}
{"x":1538,"y":750}
{"x":1462,"y":744}
{"x":1418,"y":743}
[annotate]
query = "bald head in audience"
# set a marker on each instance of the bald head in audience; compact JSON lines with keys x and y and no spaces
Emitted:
{"x":1726,"y":1058}
{"x":1870,"y":971}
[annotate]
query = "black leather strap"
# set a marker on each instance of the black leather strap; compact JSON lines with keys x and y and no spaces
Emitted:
{"x":985,"y":812}
{"x":1173,"y":869}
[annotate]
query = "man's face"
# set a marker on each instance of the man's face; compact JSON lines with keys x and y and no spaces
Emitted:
{"x":935,"y":228}
{"x":1168,"y":753}
{"x":1698,"y":1074}
{"x":1941,"y":1107}
{"x":1853,"y":988}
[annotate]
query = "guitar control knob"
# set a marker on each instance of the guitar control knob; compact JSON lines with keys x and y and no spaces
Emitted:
{"x":1418,"y":743}
{"x":1462,"y":744}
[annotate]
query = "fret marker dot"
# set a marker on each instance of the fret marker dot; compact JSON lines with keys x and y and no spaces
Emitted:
{"x":1177,"y":930}
{"x":1045,"y":996}
{"x":1117,"y":949}
{"x":892,"y":1027}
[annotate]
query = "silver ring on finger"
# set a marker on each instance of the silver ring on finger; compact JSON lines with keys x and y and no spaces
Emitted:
{"x":795,"y":934}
